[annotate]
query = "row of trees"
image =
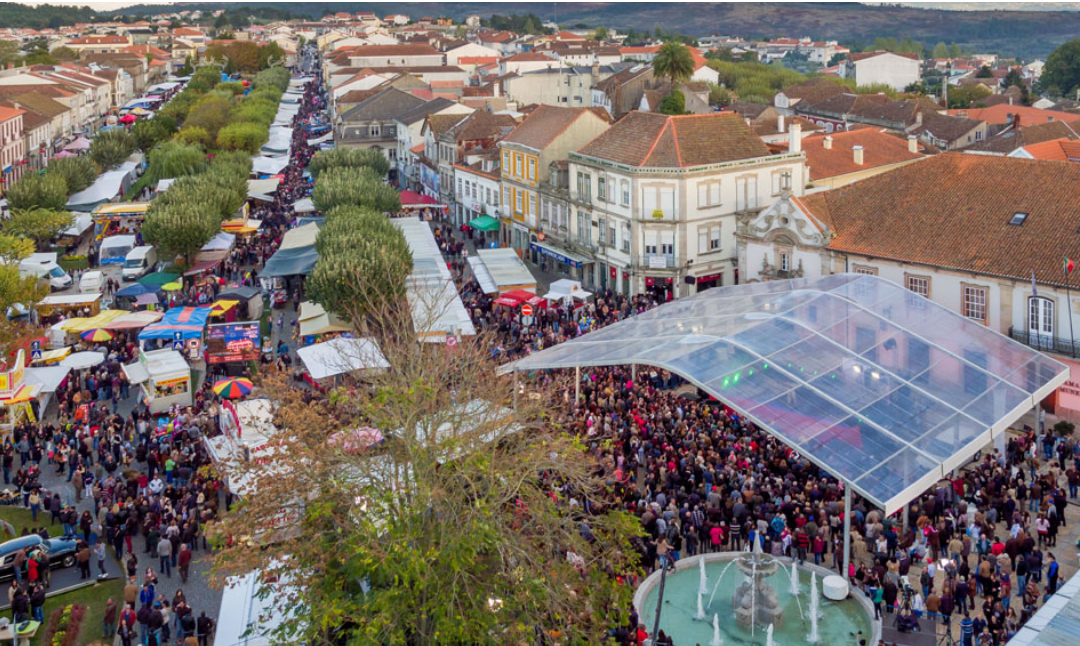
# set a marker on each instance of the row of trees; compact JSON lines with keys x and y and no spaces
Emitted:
{"x":52,"y":188}
{"x":187,"y":215}
{"x":245,"y":56}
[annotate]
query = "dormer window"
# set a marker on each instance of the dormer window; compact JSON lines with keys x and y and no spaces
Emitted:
{"x":1017,"y":219}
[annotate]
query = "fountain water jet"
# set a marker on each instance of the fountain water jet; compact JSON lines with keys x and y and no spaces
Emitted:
{"x":716,"y":641}
{"x":768,"y":636}
{"x":704,"y":580}
{"x":700,"y":616}
{"x":794,"y":580}
{"x":815,"y":600}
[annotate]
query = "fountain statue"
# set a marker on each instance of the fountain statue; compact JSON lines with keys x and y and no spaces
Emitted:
{"x":716,"y":641}
{"x":703,"y":580}
{"x":755,"y":600}
{"x":815,"y":601}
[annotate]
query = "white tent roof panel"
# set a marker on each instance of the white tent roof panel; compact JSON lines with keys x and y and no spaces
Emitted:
{"x":880,"y":387}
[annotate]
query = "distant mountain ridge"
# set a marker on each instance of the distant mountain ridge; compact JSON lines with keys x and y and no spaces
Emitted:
{"x":1022,"y":32}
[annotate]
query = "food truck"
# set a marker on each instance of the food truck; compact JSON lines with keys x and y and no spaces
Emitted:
{"x":165,"y":379}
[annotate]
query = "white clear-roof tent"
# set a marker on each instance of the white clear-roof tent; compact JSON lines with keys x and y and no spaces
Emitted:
{"x":878,"y":386}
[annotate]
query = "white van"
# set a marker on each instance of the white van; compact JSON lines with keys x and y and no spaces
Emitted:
{"x":139,"y":262}
{"x":91,"y":282}
{"x":43,"y":265}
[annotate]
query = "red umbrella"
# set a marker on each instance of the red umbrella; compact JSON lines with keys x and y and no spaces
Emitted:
{"x":520,"y":295}
{"x":128,"y":118}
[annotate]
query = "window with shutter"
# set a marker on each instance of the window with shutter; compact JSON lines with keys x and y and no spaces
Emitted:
{"x":714,"y":194}
{"x":703,"y":240}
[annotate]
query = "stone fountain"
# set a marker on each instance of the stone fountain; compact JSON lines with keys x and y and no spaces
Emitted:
{"x":755,"y":601}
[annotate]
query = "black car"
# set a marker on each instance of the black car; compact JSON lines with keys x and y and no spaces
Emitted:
{"x":61,"y":552}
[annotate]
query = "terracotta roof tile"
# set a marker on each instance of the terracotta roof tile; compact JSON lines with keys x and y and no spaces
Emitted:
{"x":1013,"y":138}
{"x":543,"y":125}
{"x":1055,"y":150}
{"x":1005,"y":113}
{"x":950,"y":211}
{"x":879,"y":149}
{"x":657,"y":140}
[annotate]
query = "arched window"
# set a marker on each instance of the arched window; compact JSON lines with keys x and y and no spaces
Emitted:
{"x":1041,"y":318}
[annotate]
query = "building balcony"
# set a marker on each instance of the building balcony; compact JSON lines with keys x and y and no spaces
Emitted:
{"x":1046,"y":343}
{"x":659,"y":261}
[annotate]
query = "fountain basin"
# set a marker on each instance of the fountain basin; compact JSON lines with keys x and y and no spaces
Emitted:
{"x":839,"y":621}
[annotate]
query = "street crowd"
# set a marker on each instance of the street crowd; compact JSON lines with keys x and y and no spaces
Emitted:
{"x":138,"y":477}
{"x":975,"y":553}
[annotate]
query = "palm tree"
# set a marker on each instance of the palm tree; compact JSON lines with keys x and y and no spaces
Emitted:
{"x":674,"y":61}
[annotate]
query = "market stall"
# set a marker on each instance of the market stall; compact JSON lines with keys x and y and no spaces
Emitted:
{"x":250,"y":298}
{"x":325,"y":362}
{"x":180,"y":324}
{"x":66,"y":304}
{"x":164,"y":377}
{"x":16,"y":394}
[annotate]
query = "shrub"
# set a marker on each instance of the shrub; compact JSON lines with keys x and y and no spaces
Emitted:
{"x":232,"y":87}
{"x":37,"y":190}
{"x":151,"y":132}
{"x":112,"y":147}
{"x":78,"y":172}
{"x":211,"y":113}
{"x":64,"y":626}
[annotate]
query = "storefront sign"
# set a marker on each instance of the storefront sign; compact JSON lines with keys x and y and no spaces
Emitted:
{"x":657,"y":262}
{"x":544,"y":251}
{"x":1067,"y":398}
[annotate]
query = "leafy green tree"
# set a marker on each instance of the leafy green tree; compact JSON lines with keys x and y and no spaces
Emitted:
{"x":151,"y":132}
{"x":195,"y":135}
{"x":275,"y":77}
{"x":46,"y":191}
{"x":180,"y":228}
{"x":174,"y":159}
{"x":271,"y":54}
{"x":232,"y":87}
{"x":211,"y":113}
{"x":965,"y":96}
{"x":674,"y":61}
{"x":719,"y":96}
{"x":349,"y":158}
{"x":601,"y":33}
{"x":9,"y":53}
{"x":719,"y":54}
{"x":64,"y":54}
{"x":39,"y":225}
{"x":78,"y":172}
{"x":243,"y":136}
{"x":112,"y":147}
{"x":941,"y":50}
{"x":39,"y":57}
{"x":984,"y":73}
{"x":955,"y":51}
{"x":350,"y":186}
{"x":674,"y":103}
{"x":1063,"y":69}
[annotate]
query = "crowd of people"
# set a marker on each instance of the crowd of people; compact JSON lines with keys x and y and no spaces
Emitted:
{"x":974,"y":553}
{"x":138,"y":478}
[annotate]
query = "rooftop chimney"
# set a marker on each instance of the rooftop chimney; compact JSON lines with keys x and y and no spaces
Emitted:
{"x":826,"y":143}
{"x":912,"y":144}
{"x":795,"y":138}
{"x":858,"y":150}
{"x":918,"y":118}
{"x":780,"y":124}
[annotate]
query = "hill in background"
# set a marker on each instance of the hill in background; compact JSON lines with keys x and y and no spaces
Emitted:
{"x":1024,"y":33}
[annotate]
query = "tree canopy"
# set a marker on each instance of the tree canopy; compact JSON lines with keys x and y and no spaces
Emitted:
{"x":39,"y":225}
{"x":37,"y":190}
{"x":111,"y":147}
{"x":1062,"y":70}
{"x":674,"y":61}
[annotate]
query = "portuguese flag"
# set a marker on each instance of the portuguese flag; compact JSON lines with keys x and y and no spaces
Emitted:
{"x":1068,"y":266}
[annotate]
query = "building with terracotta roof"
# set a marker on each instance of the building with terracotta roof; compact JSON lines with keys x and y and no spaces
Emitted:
{"x":370,"y":123}
{"x":945,"y":229}
{"x":842,"y":158}
{"x":477,"y":130}
{"x":1018,"y":115}
{"x":1064,"y":149}
{"x":1009,"y":137}
{"x":99,"y":43}
{"x":548,"y":134}
{"x":36,"y":139}
{"x":948,"y":132}
{"x":12,"y":146}
{"x":841,"y":111}
{"x":409,"y":126}
{"x":809,"y":92}
{"x":657,"y":197}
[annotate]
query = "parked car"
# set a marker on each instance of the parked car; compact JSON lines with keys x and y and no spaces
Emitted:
{"x":61,"y":551}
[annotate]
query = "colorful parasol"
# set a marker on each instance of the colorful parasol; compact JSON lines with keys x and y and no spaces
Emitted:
{"x":233,"y":388}
{"x":95,"y":335}
{"x":172,"y":287}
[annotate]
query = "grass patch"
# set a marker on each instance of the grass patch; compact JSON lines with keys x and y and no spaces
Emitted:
{"x":70,"y":263}
{"x":94,"y":597}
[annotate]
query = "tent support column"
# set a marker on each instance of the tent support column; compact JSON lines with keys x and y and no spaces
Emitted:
{"x":633,"y":373}
{"x":577,"y":386}
{"x":515,"y":389}
{"x":847,"y":533}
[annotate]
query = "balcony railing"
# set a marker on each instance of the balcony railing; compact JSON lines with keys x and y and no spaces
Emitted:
{"x":1046,"y":343}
